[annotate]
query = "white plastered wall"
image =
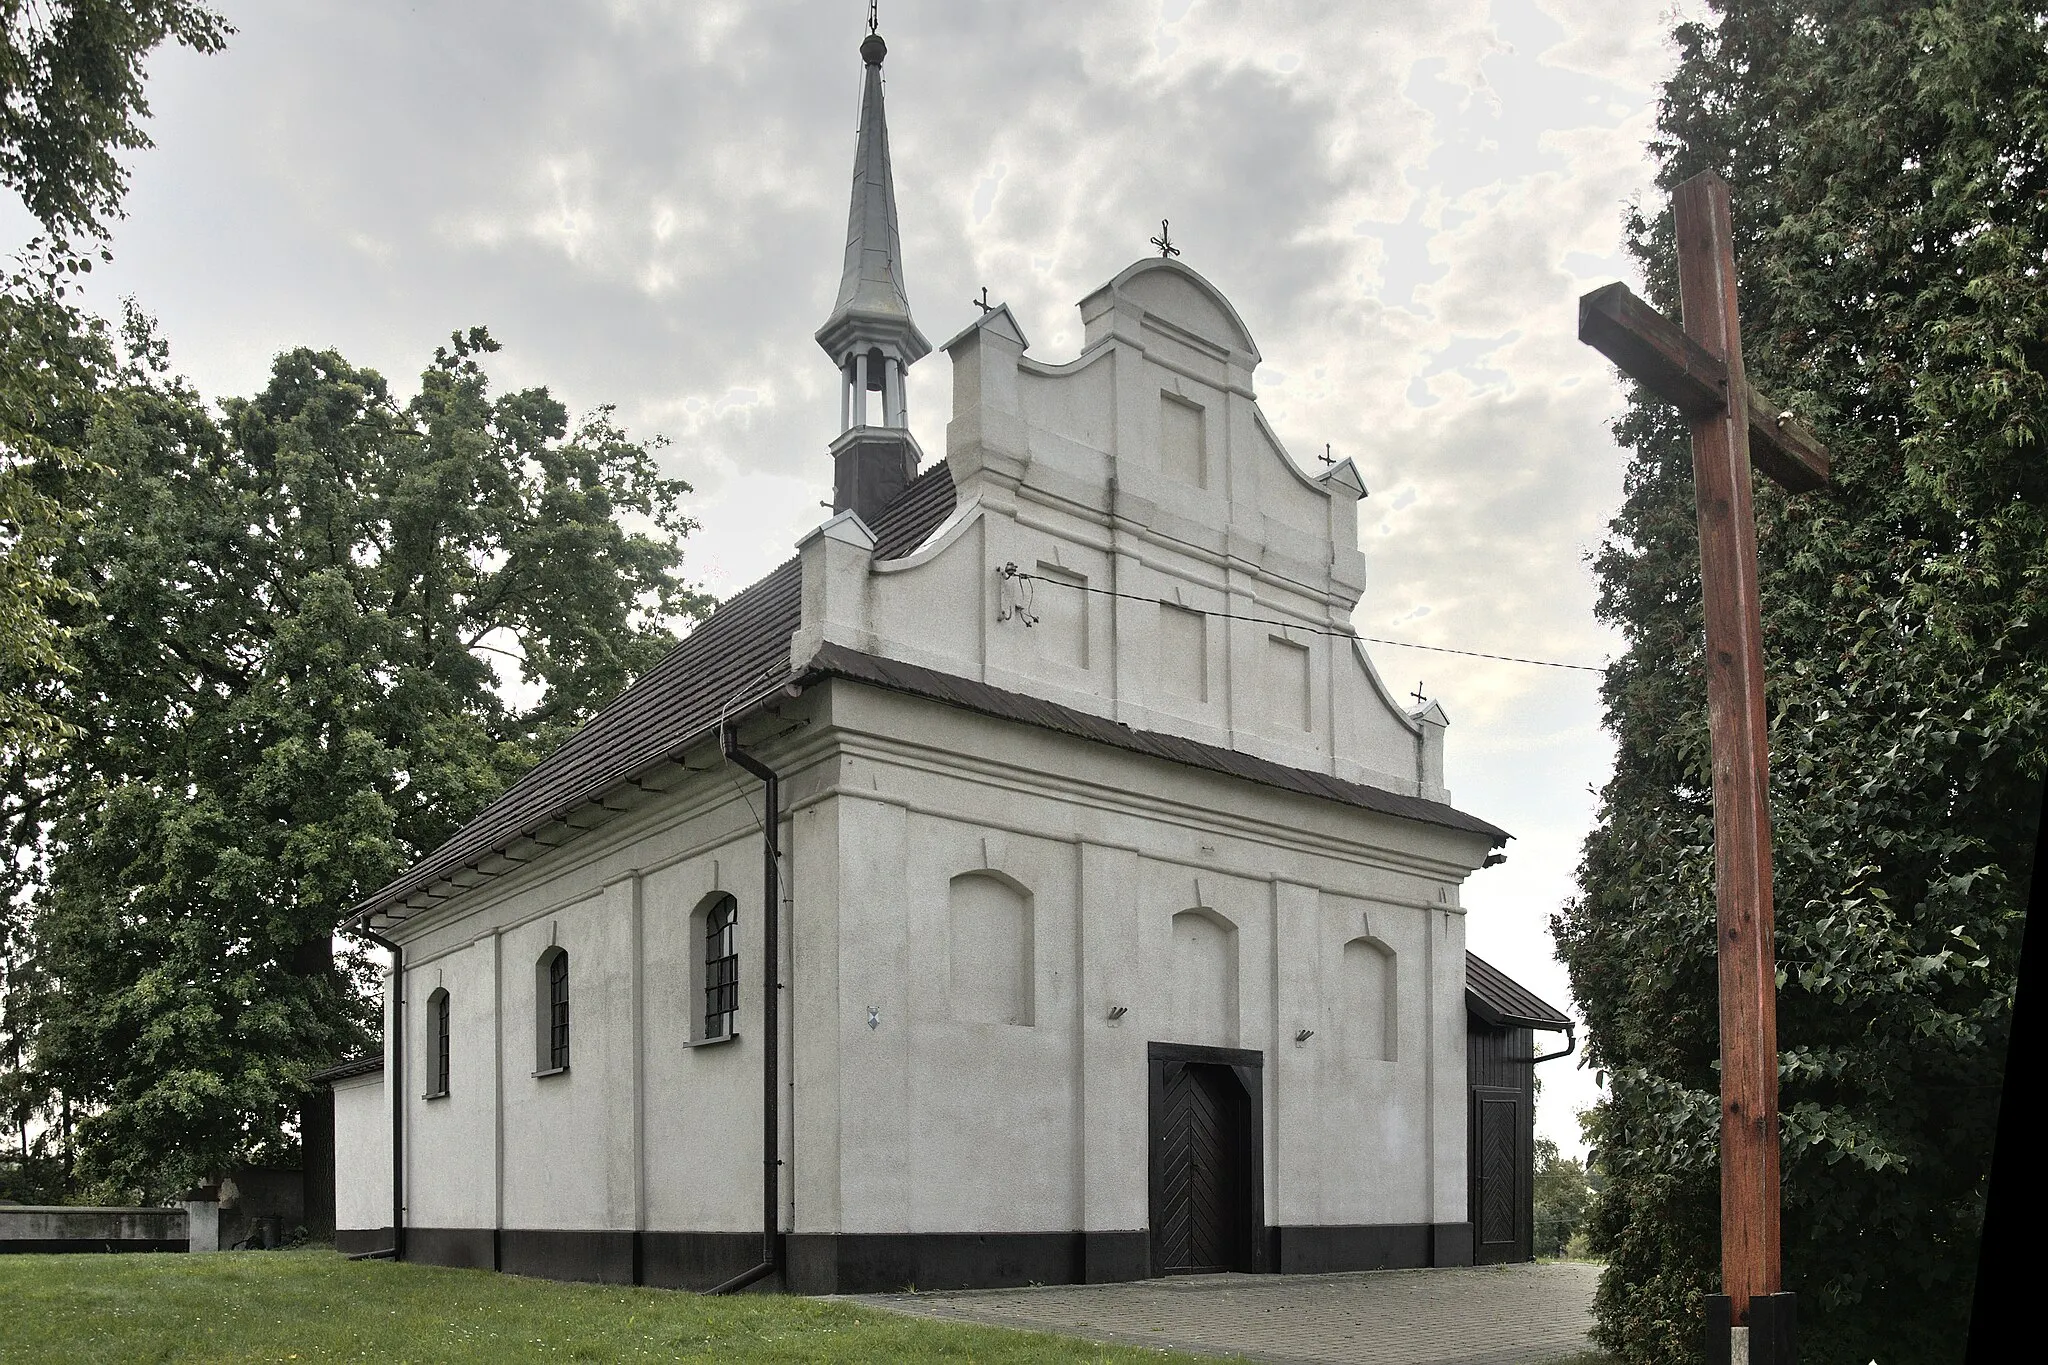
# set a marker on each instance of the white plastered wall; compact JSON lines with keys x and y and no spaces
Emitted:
{"x":911,"y":1119}
{"x":643,"y":1130}
{"x":1073,"y":473}
{"x":362,"y":1154}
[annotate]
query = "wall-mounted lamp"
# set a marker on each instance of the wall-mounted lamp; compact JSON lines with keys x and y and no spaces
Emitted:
{"x":1303,"y":1035}
{"x":1117,"y":1012}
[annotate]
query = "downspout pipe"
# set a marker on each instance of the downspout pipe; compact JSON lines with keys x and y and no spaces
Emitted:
{"x":394,"y":1080}
{"x":771,"y":1014}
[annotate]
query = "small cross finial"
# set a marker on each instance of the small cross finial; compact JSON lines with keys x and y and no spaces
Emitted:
{"x":1417,"y":694}
{"x":1327,"y":457}
{"x":1165,"y":242}
{"x":982,"y":303}
{"x":874,"y":15}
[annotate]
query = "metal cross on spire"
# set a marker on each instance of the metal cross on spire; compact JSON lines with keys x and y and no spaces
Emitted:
{"x":1164,"y":241}
{"x":1419,"y":697}
{"x":874,"y":16}
{"x":1326,"y":457}
{"x":982,"y":303}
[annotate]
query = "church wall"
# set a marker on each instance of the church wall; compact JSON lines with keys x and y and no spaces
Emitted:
{"x":362,"y":1163}
{"x":448,"y":1186}
{"x":1143,"y":881}
{"x":567,"y":1135}
{"x":702,"y":1103}
{"x":1144,"y":468}
{"x":643,"y":1130}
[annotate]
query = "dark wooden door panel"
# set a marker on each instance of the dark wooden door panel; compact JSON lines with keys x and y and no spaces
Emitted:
{"x":1498,"y":1175}
{"x":1198,"y":1223}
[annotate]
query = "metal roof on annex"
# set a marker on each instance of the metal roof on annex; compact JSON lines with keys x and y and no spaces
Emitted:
{"x":1500,"y":1000}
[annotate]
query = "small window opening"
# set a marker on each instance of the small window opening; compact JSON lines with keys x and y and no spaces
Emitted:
{"x":721,"y":968}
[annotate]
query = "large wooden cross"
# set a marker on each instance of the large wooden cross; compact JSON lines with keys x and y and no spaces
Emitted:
{"x":1698,"y":369}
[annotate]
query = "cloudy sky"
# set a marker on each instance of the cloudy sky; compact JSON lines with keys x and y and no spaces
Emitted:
{"x":646,"y":203}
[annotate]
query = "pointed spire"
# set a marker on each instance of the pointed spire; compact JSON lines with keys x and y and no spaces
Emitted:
{"x":870,"y":335}
{"x":872,"y":312}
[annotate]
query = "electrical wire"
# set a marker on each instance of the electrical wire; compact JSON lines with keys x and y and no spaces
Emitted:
{"x":1012,"y":571}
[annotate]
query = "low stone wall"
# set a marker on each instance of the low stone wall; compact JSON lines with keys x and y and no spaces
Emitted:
{"x":48,"y":1228}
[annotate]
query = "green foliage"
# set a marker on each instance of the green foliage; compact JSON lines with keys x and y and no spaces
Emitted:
{"x":1562,"y":1198}
{"x":1891,"y":201}
{"x":284,"y":692}
{"x":71,"y":99}
{"x":316,"y":1306}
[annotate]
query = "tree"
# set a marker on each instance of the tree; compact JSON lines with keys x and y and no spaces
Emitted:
{"x":71,"y":99}
{"x":1891,"y":197}
{"x":284,"y":692}
{"x":1561,"y":1197}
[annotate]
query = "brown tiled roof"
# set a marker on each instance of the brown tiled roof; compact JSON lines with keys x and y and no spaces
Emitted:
{"x":1500,"y":1000}
{"x":740,"y":654}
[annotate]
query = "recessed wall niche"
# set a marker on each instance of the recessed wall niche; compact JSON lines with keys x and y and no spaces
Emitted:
{"x":1181,"y":452}
{"x":1287,"y":682}
{"x":1183,"y":652}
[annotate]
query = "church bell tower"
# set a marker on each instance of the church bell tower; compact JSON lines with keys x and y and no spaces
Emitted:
{"x":870,"y":335}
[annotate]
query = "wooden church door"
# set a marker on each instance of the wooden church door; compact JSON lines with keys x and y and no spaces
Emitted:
{"x":1206,"y":1187}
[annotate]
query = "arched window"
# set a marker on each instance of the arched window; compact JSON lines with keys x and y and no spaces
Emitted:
{"x":551,"y":979}
{"x":437,"y":1015}
{"x":721,"y":968}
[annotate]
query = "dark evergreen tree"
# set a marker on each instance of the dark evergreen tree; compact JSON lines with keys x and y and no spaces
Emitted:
{"x":1890,"y":173}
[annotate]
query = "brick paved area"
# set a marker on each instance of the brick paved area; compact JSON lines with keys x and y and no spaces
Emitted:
{"x":1490,"y":1315}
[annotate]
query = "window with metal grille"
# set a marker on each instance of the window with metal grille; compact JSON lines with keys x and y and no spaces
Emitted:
{"x":721,"y":968}
{"x":558,"y":1011}
{"x":439,"y":1003}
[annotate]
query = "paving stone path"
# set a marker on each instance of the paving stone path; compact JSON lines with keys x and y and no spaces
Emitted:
{"x":1489,"y":1315}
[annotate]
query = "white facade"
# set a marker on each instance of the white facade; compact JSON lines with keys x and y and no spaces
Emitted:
{"x":987,"y":923}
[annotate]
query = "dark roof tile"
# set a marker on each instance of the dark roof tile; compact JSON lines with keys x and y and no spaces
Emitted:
{"x":1500,"y":1000}
{"x":734,"y":656}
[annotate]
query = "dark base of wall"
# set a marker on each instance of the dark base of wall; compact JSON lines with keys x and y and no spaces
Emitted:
{"x":1451,"y":1244}
{"x":1113,"y":1257}
{"x":1372,"y":1246}
{"x":883,"y":1262}
{"x":597,"y":1256}
{"x":875,"y":1263}
{"x":665,"y":1260}
{"x":698,"y":1260}
{"x":1324,"y":1250}
{"x":356,"y":1241}
{"x":68,"y":1246}
{"x":469,"y":1248}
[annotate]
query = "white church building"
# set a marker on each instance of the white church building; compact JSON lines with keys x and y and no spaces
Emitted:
{"x":1031,"y":880}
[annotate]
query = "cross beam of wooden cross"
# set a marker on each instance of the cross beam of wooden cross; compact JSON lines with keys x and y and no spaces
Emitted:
{"x":1698,"y":369}
{"x":1658,"y":354}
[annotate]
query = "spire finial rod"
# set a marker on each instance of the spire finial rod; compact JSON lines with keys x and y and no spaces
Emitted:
{"x":874,"y":16}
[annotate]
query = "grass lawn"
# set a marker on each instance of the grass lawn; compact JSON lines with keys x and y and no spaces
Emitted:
{"x":316,"y":1305}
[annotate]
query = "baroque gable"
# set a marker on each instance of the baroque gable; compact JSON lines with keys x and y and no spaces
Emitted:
{"x":1130,"y":539}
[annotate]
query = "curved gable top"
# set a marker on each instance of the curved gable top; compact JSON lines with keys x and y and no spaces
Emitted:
{"x":1165,"y":288}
